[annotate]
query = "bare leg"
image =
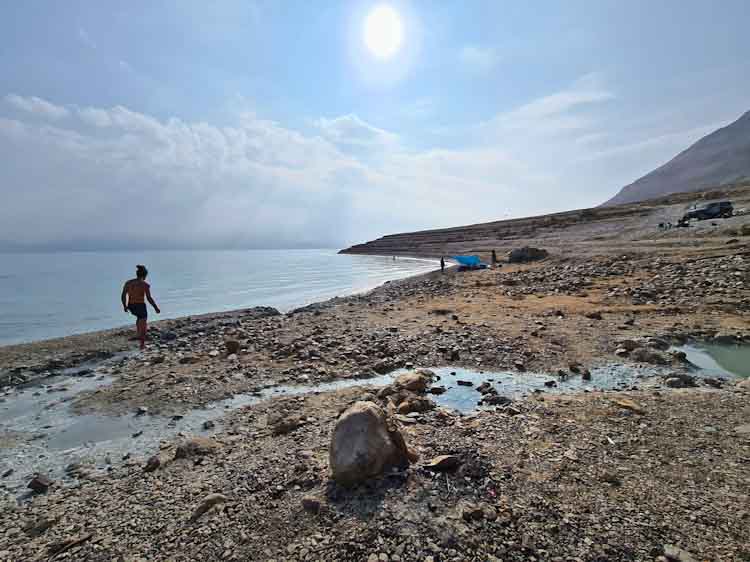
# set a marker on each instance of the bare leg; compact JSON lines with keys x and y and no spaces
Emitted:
{"x":141,"y":324}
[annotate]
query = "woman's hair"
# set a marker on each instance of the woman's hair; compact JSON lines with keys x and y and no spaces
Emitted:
{"x":141,"y":271}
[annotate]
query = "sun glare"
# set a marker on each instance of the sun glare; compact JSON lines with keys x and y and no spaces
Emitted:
{"x":383,"y":31}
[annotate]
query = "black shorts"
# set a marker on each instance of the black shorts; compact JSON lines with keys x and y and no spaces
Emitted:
{"x":138,"y":310}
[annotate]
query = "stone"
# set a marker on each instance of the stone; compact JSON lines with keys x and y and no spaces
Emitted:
{"x":594,"y":315}
{"x":680,"y":380}
{"x":39,"y":484}
{"x":586,"y":375}
{"x":207,"y":504}
{"x":415,"y":404}
{"x":141,"y":411}
{"x":443,"y":463}
{"x":414,"y":382}
{"x":232,"y":346}
{"x":643,"y":355}
{"x":677,"y":554}
{"x":743,"y":384}
{"x":152,"y":463}
{"x":550,"y":384}
{"x":437,"y":390}
{"x":464,"y":383}
{"x":496,"y":400}
{"x":628,"y":345}
{"x":213,"y":353}
{"x":311,"y":504}
{"x":282,"y":424}
{"x":743,"y":429}
{"x":519,"y":366}
{"x":526,"y":254}
{"x":208,"y":424}
{"x":196,"y":447}
{"x":363,"y":445}
{"x":628,"y":404}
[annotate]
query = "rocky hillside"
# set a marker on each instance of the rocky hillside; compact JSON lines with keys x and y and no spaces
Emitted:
{"x":618,"y":228}
{"x":720,"y":158}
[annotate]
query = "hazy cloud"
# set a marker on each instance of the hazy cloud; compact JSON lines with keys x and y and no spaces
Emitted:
{"x":118,"y":177}
{"x":37,"y":106}
{"x":85,"y":38}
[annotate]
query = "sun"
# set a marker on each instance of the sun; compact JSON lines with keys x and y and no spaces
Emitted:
{"x":383,"y":31}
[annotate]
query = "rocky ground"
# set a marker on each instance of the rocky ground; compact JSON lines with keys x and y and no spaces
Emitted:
{"x":597,"y":476}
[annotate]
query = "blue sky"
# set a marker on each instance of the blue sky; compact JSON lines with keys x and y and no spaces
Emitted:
{"x":271,"y":124}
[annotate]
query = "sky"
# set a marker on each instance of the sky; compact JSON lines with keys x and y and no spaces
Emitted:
{"x":273,"y":124}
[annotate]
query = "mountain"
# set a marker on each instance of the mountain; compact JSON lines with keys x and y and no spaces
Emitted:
{"x":717,"y":159}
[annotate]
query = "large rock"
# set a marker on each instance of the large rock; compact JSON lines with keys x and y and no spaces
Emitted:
{"x":526,"y":254}
{"x":364,"y":446}
{"x":417,"y":381}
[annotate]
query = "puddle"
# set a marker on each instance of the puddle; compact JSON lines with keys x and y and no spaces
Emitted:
{"x":43,"y":435}
{"x":719,"y":359}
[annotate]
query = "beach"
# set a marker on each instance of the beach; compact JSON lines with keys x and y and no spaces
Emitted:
{"x":648,"y":462}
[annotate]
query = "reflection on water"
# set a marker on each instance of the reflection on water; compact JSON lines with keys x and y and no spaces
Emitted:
{"x":719,"y":359}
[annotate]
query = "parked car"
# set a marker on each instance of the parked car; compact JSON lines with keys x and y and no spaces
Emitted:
{"x":721,"y":209}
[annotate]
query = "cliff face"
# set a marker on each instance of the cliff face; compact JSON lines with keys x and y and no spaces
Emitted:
{"x":719,"y":158}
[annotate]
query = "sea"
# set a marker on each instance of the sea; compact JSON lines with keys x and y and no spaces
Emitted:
{"x":47,"y":295}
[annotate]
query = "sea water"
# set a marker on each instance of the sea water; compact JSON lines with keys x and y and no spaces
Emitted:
{"x":45,"y":295}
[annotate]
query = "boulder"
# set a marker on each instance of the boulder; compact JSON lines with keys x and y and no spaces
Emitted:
{"x":443,"y":463}
{"x":417,"y":381}
{"x":363,"y":445}
{"x":527,"y":254}
{"x":233,"y":346}
{"x":39,"y":484}
{"x":680,"y":380}
{"x":415,"y":404}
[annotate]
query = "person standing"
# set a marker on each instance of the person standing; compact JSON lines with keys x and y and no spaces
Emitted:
{"x":135,"y":293}
{"x":442,"y":264}
{"x":494,"y":258}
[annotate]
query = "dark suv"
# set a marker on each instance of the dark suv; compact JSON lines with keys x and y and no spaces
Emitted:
{"x":722,"y":209}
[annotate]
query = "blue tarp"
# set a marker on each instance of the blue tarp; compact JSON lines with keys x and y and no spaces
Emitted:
{"x":468,"y":261}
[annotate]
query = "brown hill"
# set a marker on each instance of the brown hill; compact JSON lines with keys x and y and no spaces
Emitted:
{"x":717,"y":159}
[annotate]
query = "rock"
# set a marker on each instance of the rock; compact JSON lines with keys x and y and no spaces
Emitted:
{"x":311,"y":504}
{"x":414,"y":382}
{"x":141,"y":411}
{"x":680,"y":380}
{"x":628,"y":345}
{"x":586,"y":375}
{"x":437,"y":390}
{"x":207,"y":504}
{"x":363,"y":445}
{"x":643,"y":355}
{"x":152,"y":463}
{"x":213,"y":353}
{"x":7,"y":473}
{"x":39,"y":527}
{"x":527,"y":254}
{"x":743,"y":384}
{"x":676,"y":554}
{"x":464,"y":383}
{"x":743,"y":429}
{"x":496,"y":400}
{"x":168,"y":336}
{"x":621,"y":352}
{"x":485,"y":388}
{"x":443,"y":463}
{"x":157,"y":360}
{"x":415,"y":404}
{"x":187,"y":359}
{"x":196,"y":447}
{"x":550,"y":384}
{"x":594,"y":315}
{"x":39,"y":484}
{"x":628,"y":404}
{"x":519,"y":366}
{"x":208,"y":424}
{"x":745,"y":229}
{"x":282,"y":423}
{"x":232,"y":346}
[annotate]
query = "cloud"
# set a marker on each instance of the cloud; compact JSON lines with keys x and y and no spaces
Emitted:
{"x":352,"y":131}
{"x":115,"y":177}
{"x":481,"y":59}
{"x":37,"y":106}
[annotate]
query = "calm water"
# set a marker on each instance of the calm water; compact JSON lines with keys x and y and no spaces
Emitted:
{"x":57,"y":294}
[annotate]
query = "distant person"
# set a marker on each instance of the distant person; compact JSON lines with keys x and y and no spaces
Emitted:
{"x":137,"y":291}
{"x":494,"y":258}
{"x":442,"y":264}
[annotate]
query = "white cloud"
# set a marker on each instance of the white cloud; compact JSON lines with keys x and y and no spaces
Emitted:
{"x":481,"y":59}
{"x":109,"y":176}
{"x":37,"y":106}
{"x":351,"y":130}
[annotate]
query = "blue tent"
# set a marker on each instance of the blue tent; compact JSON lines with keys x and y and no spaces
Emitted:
{"x":471,"y":262}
